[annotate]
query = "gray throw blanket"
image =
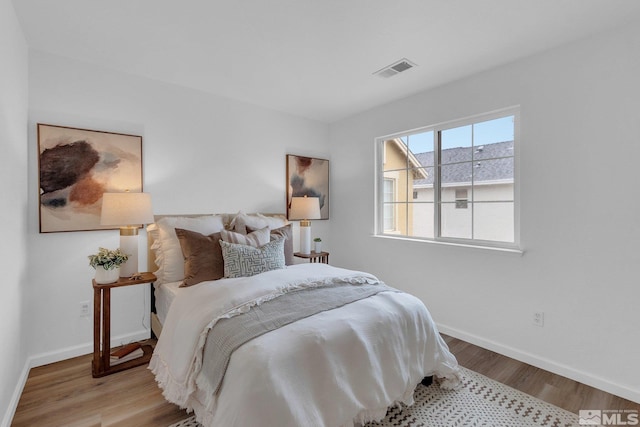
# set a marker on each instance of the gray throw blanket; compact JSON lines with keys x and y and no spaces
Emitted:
{"x":229,"y":334}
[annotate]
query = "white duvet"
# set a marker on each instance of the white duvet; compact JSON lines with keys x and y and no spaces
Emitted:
{"x":338,"y":367}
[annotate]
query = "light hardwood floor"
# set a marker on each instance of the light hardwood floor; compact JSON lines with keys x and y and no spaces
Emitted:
{"x":552,"y":388}
{"x":65,"y":393}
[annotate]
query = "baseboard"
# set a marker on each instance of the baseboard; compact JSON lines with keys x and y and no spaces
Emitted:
{"x":546,"y":364}
{"x":80,"y":350}
{"x":15,"y":398}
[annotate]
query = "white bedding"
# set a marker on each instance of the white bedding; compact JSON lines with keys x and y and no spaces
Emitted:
{"x":164,"y":296}
{"x":338,"y":367}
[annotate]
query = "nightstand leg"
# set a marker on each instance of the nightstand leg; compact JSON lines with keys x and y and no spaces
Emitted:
{"x":96,"y":331}
{"x":106,"y":327}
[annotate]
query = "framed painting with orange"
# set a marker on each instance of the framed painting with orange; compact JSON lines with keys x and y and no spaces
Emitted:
{"x":75,"y":167}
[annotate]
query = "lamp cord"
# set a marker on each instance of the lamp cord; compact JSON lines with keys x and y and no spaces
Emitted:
{"x":144,"y":307}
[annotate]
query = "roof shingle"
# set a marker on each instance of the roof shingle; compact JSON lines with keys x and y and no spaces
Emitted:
{"x":490,"y":162}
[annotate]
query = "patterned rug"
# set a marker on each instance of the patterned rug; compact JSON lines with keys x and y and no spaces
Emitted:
{"x":479,"y":402}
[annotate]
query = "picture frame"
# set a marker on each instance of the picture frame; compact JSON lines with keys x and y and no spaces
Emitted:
{"x":308,"y":176}
{"x":75,"y":167}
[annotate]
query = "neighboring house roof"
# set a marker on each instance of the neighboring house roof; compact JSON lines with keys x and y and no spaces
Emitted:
{"x":490,"y":162}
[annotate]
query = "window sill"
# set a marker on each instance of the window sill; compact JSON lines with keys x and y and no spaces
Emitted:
{"x":502,"y":249}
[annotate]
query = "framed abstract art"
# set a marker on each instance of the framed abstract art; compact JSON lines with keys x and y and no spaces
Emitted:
{"x":75,"y":167}
{"x":308,"y":176}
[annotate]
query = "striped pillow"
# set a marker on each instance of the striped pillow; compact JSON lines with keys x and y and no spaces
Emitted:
{"x":255,"y":239}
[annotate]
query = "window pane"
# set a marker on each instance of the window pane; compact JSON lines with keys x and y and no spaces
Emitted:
{"x":422,"y":184}
{"x":395,"y":185}
{"x":493,"y":193}
{"x":493,"y":151}
{"x":421,"y":146}
{"x":423,"y":159}
{"x":389,"y":217}
{"x":448,"y":194}
{"x":493,"y":221}
{"x":493,"y":180}
{"x":389,"y":208}
{"x":462,"y":198}
{"x":421,"y":220}
{"x":456,"y":174}
{"x":493,"y":131}
{"x":456,"y":145}
{"x":455,"y":222}
{"x":394,"y":156}
{"x":389,"y":194}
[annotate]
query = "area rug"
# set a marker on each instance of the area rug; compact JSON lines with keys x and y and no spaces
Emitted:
{"x":480,"y":401}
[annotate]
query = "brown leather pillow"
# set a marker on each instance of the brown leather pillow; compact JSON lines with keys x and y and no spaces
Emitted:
{"x":287,"y":233}
{"x":202,"y":257}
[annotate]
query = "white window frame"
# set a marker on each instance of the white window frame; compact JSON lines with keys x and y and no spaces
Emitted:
{"x":379,"y":177}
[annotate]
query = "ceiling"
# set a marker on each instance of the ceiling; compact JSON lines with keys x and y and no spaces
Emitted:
{"x":311,"y":58}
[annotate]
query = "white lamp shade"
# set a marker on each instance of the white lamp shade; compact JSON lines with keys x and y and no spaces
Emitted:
{"x":121,"y":209}
{"x":125,"y":210}
{"x":305,"y":208}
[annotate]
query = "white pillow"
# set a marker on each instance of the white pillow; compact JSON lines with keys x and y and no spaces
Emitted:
{"x":166,"y":246}
{"x":256,"y":221}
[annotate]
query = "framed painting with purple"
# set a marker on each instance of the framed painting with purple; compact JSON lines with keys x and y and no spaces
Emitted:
{"x":75,"y":167}
{"x":308,"y":176}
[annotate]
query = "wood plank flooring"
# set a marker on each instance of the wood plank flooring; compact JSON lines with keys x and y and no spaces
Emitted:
{"x":65,"y":393}
{"x":555,"y":389}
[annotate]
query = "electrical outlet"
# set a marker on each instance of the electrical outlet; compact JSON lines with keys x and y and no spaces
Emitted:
{"x":84,"y":308}
{"x":538,"y":318}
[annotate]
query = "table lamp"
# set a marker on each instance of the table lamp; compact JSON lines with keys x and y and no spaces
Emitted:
{"x":304,"y":209}
{"x":127,"y":211}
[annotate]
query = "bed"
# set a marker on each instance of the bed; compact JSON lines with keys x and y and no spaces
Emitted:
{"x":278,"y":343}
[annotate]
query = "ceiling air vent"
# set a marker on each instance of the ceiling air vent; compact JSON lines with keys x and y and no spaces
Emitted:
{"x":397,"y":67}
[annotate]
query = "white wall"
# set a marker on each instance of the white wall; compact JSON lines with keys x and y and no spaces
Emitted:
{"x":202,"y":154}
{"x":580,"y":111}
{"x":13,"y":227}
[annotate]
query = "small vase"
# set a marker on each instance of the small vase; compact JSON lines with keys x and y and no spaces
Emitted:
{"x":104,"y":276}
{"x":318,"y":246}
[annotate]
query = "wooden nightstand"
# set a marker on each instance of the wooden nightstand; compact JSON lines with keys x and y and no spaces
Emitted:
{"x":102,"y":327}
{"x":314,"y":256}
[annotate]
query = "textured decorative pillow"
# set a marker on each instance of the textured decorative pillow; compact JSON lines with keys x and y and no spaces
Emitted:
{"x":256,"y":222}
{"x":245,"y":261}
{"x":287,"y":233}
{"x":256,"y":238}
{"x":202,"y":257}
{"x":168,"y":253}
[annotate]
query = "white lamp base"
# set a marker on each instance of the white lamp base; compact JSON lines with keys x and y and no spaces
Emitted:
{"x":305,"y":239}
{"x":129,"y":245}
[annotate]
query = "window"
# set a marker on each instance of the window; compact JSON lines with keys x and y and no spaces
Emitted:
{"x":389,"y":206}
{"x":454,"y":182}
{"x":461,"y":198}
